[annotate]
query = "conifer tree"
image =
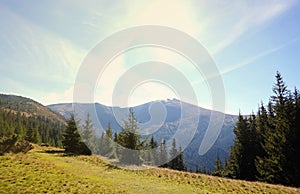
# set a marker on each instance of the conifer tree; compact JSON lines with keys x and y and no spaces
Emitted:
{"x":218,"y":166}
{"x":163,"y":154}
{"x":180,"y":158}
{"x":108,"y":145}
{"x":129,"y":139}
{"x":273,"y":167}
{"x":154,"y":154}
{"x":295,"y":152}
{"x":233,"y":169}
{"x":101,"y":145}
{"x":173,"y":164}
{"x":72,"y":140}
{"x":88,"y":133}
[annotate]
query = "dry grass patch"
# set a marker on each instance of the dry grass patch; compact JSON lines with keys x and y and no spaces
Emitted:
{"x":53,"y":172}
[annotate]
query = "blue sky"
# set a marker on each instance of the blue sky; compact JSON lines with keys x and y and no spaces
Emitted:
{"x":43,"y":44}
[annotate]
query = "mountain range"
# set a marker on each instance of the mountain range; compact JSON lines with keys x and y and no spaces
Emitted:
{"x":164,"y":119}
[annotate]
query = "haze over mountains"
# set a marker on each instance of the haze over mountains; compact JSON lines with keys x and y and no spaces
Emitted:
{"x":163,"y":119}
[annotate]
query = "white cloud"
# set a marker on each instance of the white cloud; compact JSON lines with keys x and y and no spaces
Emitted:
{"x":55,"y":97}
{"x":251,"y":18}
{"x":35,"y":53}
{"x":256,"y":57}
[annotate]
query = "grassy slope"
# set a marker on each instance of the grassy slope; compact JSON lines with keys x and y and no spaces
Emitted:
{"x":39,"y":171}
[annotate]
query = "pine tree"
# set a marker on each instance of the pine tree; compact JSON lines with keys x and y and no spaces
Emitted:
{"x":88,"y":133}
{"x":181,"y":164}
{"x":129,"y":139}
{"x":109,"y":147}
{"x":163,"y":154}
{"x":251,"y":149}
{"x":173,"y":164}
{"x":154,"y":154}
{"x":293,"y":145}
{"x":233,"y":169}
{"x":295,"y":141}
{"x":273,"y":167}
{"x":101,"y":147}
{"x":218,"y":166}
{"x":72,"y":140}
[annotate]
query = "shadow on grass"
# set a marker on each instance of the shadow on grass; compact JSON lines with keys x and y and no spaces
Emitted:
{"x":112,"y":167}
{"x":55,"y":151}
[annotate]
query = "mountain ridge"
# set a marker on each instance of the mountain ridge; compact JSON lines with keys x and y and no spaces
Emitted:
{"x":145,"y":114}
{"x":28,"y":107}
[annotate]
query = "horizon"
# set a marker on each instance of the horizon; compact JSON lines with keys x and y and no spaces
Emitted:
{"x":173,"y":99}
{"x":44,"y":44}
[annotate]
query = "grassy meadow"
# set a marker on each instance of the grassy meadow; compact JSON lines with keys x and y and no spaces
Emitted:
{"x":43,"y":171}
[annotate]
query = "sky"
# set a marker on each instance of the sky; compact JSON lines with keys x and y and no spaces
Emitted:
{"x":44,"y":43}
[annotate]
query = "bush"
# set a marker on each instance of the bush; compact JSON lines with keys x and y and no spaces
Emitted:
{"x":12,"y":144}
{"x":7,"y":143}
{"x":22,"y":146}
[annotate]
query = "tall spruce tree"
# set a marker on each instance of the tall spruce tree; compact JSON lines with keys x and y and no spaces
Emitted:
{"x":218,"y":166}
{"x":180,"y":158}
{"x":251,"y":149}
{"x":294,"y":156}
{"x":273,"y":167}
{"x":173,"y":156}
{"x":109,"y":147}
{"x":88,"y":133}
{"x":234,"y":168}
{"x":129,"y":139}
{"x":72,"y":140}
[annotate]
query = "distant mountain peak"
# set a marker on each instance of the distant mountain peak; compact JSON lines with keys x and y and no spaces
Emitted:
{"x":149,"y":116}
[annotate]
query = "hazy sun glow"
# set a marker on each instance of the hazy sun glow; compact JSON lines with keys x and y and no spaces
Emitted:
{"x":44,"y":43}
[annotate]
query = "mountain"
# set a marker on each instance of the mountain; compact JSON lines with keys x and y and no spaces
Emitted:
{"x":164,"y":119}
{"x":30,"y":119}
{"x":28,"y":107}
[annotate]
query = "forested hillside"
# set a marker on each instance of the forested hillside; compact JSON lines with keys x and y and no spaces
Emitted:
{"x":30,"y":121}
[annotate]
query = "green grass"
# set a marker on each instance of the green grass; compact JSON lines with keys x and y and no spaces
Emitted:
{"x":41,"y":172}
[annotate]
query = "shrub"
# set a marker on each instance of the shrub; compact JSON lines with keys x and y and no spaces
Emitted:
{"x":12,"y":144}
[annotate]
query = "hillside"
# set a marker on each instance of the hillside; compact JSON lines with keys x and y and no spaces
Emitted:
{"x":41,"y":171}
{"x":164,"y":130}
{"x":28,"y":107}
{"x":30,"y":120}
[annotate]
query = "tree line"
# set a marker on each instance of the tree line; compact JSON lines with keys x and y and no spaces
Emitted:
{"x":127,"y":146}
{"x":17,"y":129}
{"x":267,"y":146}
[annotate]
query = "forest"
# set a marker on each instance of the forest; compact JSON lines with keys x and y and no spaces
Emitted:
{"x":127,"y":146}
{"x":267,"y":146}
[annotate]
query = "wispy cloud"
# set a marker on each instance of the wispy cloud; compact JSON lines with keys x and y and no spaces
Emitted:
{"x":33,"y":52}
{"x":252,"y":17}
{"x":257,"y":57}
